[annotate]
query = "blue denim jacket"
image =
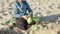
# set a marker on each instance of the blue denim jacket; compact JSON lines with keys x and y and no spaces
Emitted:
{"x":21,"y":9}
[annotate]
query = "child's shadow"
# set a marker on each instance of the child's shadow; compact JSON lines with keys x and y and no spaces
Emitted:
{"x":11,"y":31}
{"x":50,"y":18}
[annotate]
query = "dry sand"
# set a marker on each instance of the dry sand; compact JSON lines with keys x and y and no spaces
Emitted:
{"x":48,"y":10}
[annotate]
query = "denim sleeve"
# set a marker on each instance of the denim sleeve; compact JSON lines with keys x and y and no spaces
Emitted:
{"x":29,"y":9}
{"x":16,"y":11}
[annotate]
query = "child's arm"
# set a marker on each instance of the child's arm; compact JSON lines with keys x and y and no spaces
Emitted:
{"x":29,"y":9}
{"x":16,"y":11}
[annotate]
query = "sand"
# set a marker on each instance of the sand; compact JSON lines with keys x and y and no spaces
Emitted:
{"x":48,"y":10}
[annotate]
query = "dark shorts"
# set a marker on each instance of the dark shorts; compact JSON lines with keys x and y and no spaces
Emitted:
{"x":21,"y":23}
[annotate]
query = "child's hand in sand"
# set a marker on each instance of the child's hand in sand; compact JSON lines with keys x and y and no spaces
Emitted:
{"x":25,"y":17}
{"x":29,"y":16}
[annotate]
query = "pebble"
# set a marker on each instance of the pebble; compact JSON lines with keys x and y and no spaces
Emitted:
{"x":10,"y":8}
{"x":4,"y":14}
{"x":10,"y":5}
{"x":2,"y":11}
{"x":58,"y":32}
{"x":50,"y":7}
{"x":7,"y":1}
{"x":10,"y":12}
{"x":52,"y":4}
{"x":48,"y":12}
{"x":58,"y":4}
{"x":0,"y":17}
{"x":39,"y":8}
{"x":58,"y":7}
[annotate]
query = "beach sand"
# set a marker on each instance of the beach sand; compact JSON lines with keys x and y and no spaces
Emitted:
{"x":47,"y":10}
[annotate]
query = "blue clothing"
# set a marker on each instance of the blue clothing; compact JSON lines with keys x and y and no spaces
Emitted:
{"x":21,"y":9}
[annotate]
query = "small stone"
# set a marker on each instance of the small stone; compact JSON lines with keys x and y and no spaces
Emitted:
{"x":48,"y":12}
{"x":31,"y":4}
{"x":10,"y":8}
{"x":58,"y":4}
{"x":50,"y":7}
{"x":0,"y":17}
{"x":47,"y":0}
{"x":3,"y":11}
{"x":10,"y":12}
{"x":9,"y":5}
{"x":43,"y":0}
{"x":3,"y":4}
{"x":35,"y":8}
{"x":7,"y":1}
{"x":52,"y":4}
{"x":39,"y":3}
{"x":4,"y":14}
{"x":58,"y":32}
{"x":3,"y":8}
{"x":58,"y":7}
{"x":39,"y":8}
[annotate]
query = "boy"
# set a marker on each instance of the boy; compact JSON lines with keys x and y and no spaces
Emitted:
{"x":20,"y":12}
{"x":20,"y":9}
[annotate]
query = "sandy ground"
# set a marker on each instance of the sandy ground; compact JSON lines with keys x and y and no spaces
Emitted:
{"x":48,"y":10}
{"x":52,"y":29}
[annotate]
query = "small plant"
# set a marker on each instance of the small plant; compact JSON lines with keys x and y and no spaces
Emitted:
{"x":36,"y":19}
{"x":11,"y":21}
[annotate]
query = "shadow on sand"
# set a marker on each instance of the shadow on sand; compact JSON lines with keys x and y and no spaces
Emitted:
{"x":10,"y":32}
{"x":50,"y":18}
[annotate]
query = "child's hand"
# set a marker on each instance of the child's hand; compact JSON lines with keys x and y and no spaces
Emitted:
{"x":24,"y":17}
{"x":29,"y":16}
